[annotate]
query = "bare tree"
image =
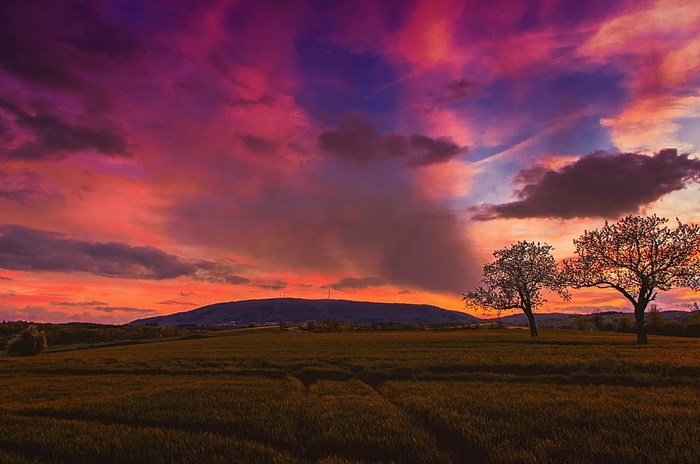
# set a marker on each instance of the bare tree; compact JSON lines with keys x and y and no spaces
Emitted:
{"x":516,"y":279}
{"x":638,"y":257}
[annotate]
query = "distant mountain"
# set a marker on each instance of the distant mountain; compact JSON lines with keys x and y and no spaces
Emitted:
{"x":280,"y":310}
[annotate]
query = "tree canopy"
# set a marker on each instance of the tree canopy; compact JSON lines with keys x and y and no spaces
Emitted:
{"x":516,"y":278}
{"x":638,"y":257}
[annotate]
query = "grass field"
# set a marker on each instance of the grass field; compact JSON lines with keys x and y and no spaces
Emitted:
{"x":272,"y":396}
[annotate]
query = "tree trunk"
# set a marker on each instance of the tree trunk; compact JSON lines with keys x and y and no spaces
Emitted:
{"x":531,"y":322}
{"x":639,"y":321}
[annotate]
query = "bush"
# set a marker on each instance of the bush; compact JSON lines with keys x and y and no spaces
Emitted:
{"x":29,"y":342}
{"x":625,"y":324}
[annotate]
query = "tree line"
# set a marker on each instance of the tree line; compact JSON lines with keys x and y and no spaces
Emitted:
{"x":637,"y":256}
{"x":22,"y":338}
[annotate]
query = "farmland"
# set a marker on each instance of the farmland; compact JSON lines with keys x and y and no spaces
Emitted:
{"x":267,"y":395}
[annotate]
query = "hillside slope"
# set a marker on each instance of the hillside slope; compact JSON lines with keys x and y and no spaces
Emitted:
{"x":280,"y":310}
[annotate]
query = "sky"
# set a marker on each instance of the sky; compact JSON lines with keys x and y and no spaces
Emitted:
{"x":160,"y":156}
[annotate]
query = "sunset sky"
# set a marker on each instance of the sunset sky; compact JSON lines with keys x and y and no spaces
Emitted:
{"x":157,"y":156}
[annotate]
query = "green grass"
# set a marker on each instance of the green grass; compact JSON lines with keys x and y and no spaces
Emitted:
{"x":272,"y":396}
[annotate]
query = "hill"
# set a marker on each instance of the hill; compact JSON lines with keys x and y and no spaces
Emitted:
{"x":568,"y":320}
{"x":281,"y":310}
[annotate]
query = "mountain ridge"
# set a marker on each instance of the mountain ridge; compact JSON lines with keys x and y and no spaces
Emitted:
{"x":297,"y":310}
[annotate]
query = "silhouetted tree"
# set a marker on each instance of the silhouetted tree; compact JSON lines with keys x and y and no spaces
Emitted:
{"x":638,"y":257}
{"x":27,"y":343}
{"x":516,"y":279}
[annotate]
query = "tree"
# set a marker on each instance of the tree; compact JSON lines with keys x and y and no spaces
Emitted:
{"x":638,"y":257}
{"x":29,"y":342}
{"x":516,"y":279}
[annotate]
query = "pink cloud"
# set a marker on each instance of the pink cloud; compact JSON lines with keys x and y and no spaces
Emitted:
{"x":656,"y":45}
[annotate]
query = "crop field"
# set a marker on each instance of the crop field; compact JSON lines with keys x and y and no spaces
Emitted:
{"x":267,"y":395}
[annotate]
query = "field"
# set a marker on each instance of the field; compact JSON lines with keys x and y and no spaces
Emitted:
{"x":265,"y":395}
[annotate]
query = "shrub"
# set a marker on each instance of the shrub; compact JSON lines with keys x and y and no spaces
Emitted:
{"x":29,"y":342}
{"x":625,"y":324}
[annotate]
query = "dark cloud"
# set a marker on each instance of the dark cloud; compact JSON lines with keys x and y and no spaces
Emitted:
{"x":175,"y":302}
{"x":126,"y":309}
{"x":429,"y":151}
{"x":47,"y":42}
{"x":6,"y":278}
{"x":357,"y":283}
{"x":236,"y":280}
{"x":356,"y":140}
{"x":26,"y":195}
{"x":265,"y":100}
{"x":27,"y":51}
{"x":95,"y":34}
{"x":258,"y":145}
{"x":455,"y":91}
{"x":26,"y":249}
{"x":276,"y":285}
{"x":78,"y":303}
{"x":55,"y":138}
{"x":597,"y":185}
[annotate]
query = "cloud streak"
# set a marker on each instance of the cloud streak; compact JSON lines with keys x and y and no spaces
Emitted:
{"x":78,"y":303}
{"x":356,"y":283}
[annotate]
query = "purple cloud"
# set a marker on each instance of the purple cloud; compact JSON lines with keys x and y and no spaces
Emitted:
{"x":126,"y":309}
{"x":26,"y":249}
{"x":596,"y":185}
{"x":78,"y":303}
{"x":258,"y":145}
{"x":48,"y":42}
{"x":356,"y":140}
{"x":455,"y":91}
{"x":54,"y":138}
{"x":276,"y":285}
{"x":236,"y":280}
{"x":175,"y":302}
